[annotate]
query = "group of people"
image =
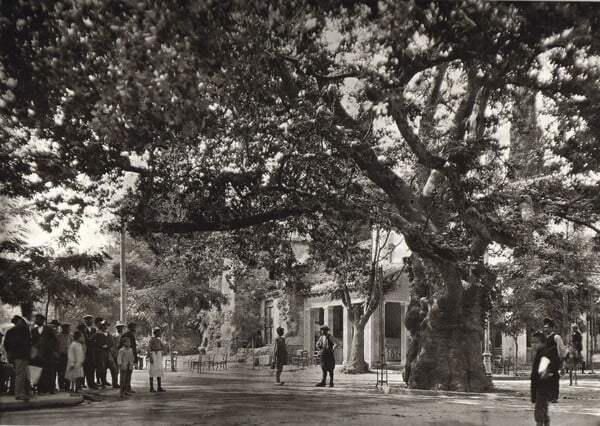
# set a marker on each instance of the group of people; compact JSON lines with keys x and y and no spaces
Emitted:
{"x":545,"y":372}
{"x":325,"y":345}
{"x":68,"y":362}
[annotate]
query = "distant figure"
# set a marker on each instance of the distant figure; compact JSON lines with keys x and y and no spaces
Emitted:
{"x":75,"y":361}
{"x":279,"y":355}
{"x":577,"y":340}
{"x":130,"y":335}
{"x":102,"y":344}
{"x":89,"y":367}
{"x":7,"y":373}
{"x":17,"y":343}
{"x":325,"y":345}
{"x":125,"y":361}
{"x":64,"y":343}
{"x":541,"y":379}
{"x":43,"y":348}
{"x":155,"y":360}
{"x":556,"y":351}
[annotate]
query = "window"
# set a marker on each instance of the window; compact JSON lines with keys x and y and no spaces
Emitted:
{"x":393,"y":320}
{"x":269,"y":322}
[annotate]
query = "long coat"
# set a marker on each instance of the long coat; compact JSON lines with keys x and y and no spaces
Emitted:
{"x":17,"y":343}
{"x":75,"y":361}
{"x":44,"y":345}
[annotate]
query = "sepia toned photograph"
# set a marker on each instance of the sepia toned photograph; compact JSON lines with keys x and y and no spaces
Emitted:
{"x":299,"y":212}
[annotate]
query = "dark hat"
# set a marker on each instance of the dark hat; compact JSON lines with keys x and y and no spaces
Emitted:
{"x":280,"y":329}
{"x":324,"y":327}
{"x":120,"y":324}
{"x":65,"y":325}
{"x":88,"y":316}
{"x":39,"y":316}
{"x":98,"y":320}
{"x":549,"y":321}
{"x":55,"y":322}
{"x":17,"y":318}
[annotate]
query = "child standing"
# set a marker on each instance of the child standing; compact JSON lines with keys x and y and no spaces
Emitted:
{"x":279,"y":355}
{"x":541,"y":385}
{"x":125,"y":361}
{"x":75,"y":359}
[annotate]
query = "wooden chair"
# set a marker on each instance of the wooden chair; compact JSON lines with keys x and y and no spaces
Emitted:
{"x":223,"y":362}
{"x":300,"y":359}
{"x":168,"y":360}
{"x":196,"y":364}
{"x":209,"y":363}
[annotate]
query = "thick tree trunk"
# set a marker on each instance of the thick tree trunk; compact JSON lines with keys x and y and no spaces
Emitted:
{"x":357,"y":364}
{"x":446,"y":324}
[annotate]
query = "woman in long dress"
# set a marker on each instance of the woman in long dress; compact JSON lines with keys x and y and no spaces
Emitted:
{"x":155,"y":360}
{"x":75,"y":359}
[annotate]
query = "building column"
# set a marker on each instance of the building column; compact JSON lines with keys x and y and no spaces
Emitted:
{"x":309,"y":330}
{"x":347,"y":341}
{"x":329,"y":318}
{"x":487,"y":354}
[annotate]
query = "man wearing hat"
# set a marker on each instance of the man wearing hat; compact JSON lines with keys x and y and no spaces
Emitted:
{"x":326,"y":344}
{"x":102,"y":344}
{"x":17,"y":343}
{"x":130,"y":333}
{"x":556,"y":349}
{"x":43,"y":348}
{"x":89,"y":364}
{"x":64,"y":340}
{"x":114,"y":350}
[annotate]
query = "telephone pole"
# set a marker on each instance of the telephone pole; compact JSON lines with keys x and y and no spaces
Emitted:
{"x":122,"y":316}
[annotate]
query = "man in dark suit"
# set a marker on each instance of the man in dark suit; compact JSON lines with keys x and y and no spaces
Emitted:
{"x":43,"y":350}
{"x":89,"y":364}
{"x":102,"y":346}
{"x":130,"y":333}
{"x":17,"y":343}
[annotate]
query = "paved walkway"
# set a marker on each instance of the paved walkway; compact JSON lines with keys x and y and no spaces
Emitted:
{"x":248,"y":397}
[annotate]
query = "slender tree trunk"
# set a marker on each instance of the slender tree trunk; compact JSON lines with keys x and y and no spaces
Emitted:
{"x":170,"y":337}
{"x":516,"y":355}
{"x":48,"y":305}
{"x":445,"y":320}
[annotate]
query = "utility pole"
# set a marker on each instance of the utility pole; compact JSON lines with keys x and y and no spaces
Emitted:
{"x":122,"y":315}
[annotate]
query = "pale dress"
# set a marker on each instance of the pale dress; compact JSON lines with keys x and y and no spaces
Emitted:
{"x":75,"y":359}
{"x":155,"y":351}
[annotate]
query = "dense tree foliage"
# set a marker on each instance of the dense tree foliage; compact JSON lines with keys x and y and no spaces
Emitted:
{"x":237,"y":113}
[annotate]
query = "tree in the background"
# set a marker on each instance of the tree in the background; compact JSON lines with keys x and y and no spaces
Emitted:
{"x":353,"y":258}
{"x":238,"y":113}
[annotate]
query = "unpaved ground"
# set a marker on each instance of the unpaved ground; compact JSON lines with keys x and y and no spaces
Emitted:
{"x":248,"y":397}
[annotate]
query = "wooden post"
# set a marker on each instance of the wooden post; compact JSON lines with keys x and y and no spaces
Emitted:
{"x":122,"y":315}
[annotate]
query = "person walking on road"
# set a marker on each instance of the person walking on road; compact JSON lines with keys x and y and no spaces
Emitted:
{"x":556,"y":351}
{"x":326,"y":344}
{"x":280,"y":355}
{"x":17,"y":343}
{"x":155,"y":360}
{"x":541,"y":379}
